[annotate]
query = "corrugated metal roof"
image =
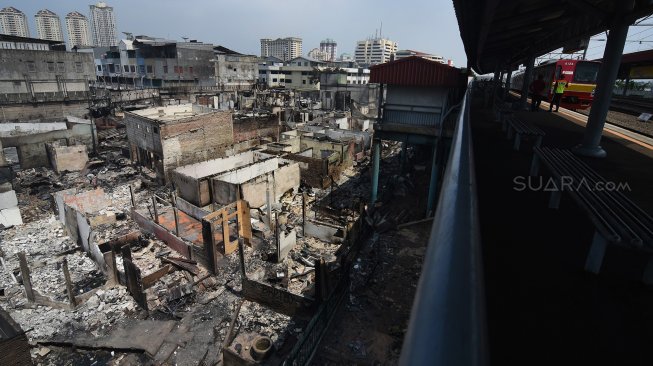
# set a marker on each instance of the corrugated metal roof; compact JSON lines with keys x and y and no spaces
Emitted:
{"x":416,"y":71}
{"x":498,"y":33}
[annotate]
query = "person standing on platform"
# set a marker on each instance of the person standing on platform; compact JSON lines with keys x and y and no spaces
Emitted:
{"x":558,"y":89}
{"x":536,"y":88}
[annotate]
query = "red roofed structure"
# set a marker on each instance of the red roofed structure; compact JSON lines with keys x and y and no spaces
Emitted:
{"x":417,"y":71}
{"x":414,"y":97}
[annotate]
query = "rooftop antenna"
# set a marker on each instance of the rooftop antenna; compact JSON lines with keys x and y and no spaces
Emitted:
{"x":381,"y":32}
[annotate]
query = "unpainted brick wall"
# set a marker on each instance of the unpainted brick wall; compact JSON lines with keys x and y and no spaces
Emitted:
{"x":196,"y":139}
{"x":253,"y":128}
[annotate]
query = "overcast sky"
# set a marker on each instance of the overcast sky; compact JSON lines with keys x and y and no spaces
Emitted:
{"x":423,"y":25}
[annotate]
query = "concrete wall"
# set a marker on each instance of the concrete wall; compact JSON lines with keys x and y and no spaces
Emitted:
{"x":236,"y":70}
{"x":32,"y":151}
{"x":287,"y":241}
{"x":44,"y":111}
{"x":67,"y":158}
{"x":9,"y":211}
{"x":28,"y":71}
{"x":74,"y":210}
{"x":324,"y":231}
{"x":253,"y":181}
{"x":188,"y":179}
{"x":324,"y":148}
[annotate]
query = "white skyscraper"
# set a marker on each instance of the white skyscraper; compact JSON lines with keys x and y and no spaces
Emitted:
{"x":375,"y":51}
{"x":78,"y":32}
{"x":48,"y":25}
{"x":13,"y":22}
{"x":103,"y":25}
{"x":282,"y":48}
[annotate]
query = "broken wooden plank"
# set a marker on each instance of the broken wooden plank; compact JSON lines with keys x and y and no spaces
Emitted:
{"x":151,"y":279}
{"x":69,"y":283}
{"x":182,"y":260}
{"x":183,"y":265}
{"x":24,"y":272}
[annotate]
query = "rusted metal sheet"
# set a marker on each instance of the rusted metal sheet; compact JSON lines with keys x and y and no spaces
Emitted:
{"x":170,"y":239}
{"x":417,"y":71}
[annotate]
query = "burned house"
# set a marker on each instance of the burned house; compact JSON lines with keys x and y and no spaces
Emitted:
{"x":31,"y":142}
{"x":192,"y":181}
{"x":164,"y":138}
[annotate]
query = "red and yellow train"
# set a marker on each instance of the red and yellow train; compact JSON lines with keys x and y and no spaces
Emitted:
{"x":580,"y":76}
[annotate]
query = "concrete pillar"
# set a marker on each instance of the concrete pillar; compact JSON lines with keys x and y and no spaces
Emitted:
{"x":605,"y":81}
{"x":433,"y":183}
{"x":528,"y":76}
{"x":376,"y":163}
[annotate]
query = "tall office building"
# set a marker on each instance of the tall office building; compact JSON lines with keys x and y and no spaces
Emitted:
{"x":48,"y":25}
{"x":374,"y":51}
{"x":13,"y":22}
{"x":330,"y":47}
{"x":282,"y":48}
{"x":78,"y":32}
{"x":103,"y":25}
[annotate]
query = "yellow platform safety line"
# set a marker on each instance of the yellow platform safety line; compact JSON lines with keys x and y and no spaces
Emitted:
{"x":583,"y":121}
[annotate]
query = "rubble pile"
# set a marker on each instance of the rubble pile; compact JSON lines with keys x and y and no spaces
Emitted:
{"x":159,"y":284}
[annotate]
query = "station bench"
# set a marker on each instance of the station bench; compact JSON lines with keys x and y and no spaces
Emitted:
{"x":519,"y":129}
{"x":501,"y":112}
{"x":616,"y":218}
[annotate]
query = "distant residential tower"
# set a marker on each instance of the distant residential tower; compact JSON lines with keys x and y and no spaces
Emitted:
{"x":48,"y":25}
{"x":13,"y":22}
{"x":282,"y":48}
{"x":103,"y":25}
{"x":78,"y":30}
{"x":330,"y":47}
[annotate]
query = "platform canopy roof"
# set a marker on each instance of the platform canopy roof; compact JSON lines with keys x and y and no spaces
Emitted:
{"x":506,"y":32}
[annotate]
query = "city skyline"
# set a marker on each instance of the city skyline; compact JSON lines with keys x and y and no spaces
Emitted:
{"x":423,"y":25}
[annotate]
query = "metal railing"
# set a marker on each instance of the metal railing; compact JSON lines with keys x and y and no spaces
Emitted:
{"x":448,"y":322}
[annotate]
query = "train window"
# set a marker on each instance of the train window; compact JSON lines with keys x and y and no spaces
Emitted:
{"x":586,"y":72}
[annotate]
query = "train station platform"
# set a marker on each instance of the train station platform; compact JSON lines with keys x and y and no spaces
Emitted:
{"x":542,"y":306}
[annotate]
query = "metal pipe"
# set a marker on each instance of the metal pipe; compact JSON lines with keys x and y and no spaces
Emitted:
{"x":448,"y":321}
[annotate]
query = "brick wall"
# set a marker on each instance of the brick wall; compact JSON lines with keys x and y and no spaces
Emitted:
{"x":313,"y":171}
{"x":184,"y":141}
{"x":254,"y":128}
{"x":196,"y":139}
{"x":143,"y":132}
